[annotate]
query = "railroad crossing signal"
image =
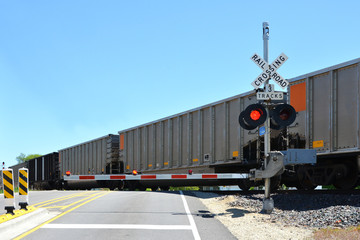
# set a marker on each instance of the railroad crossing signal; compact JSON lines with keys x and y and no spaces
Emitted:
{"x":269,"y":71}
{"x":282,"y":115}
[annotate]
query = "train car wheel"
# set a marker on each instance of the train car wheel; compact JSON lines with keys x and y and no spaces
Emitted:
{"x":244,"y":184}
{"x":165,"y":188}
{"x":305,"y":186}
{"x":304,"y":181}
{"x":112,"y":185}
{"x":121,"y":185}
{"x":65,"y":186}
{"x":142,"y":188}
{"x":131,"y":185}
{"x":350,"y":180}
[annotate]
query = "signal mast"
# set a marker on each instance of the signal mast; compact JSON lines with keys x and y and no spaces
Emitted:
{"x":273,"y":115}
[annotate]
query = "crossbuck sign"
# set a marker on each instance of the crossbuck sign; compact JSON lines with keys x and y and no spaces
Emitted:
{"x":269,"y":71}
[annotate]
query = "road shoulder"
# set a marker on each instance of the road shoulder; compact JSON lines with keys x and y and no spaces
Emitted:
{"x":248,"y":223}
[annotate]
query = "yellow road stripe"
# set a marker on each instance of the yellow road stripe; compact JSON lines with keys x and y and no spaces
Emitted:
{"x":60,"y":198}
{"x":58,"y":216}
{"x":81,"y":200}
{"x":67,"y":206}
{"x":54,"y":207}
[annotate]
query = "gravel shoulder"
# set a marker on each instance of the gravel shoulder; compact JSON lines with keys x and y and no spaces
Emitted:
{"x":295,"y":216}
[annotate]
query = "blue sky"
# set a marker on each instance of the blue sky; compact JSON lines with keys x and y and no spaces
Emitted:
{"x":72,"y":71}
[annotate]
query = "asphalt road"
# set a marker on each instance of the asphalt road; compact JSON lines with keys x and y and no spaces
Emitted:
{"x":36,"y":197}
{"x":125,"y":215}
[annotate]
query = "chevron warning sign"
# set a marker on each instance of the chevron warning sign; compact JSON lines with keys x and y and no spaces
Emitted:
{"x":23,"y":181}
{"x":8,"y":186}
{"x":23,"y":187}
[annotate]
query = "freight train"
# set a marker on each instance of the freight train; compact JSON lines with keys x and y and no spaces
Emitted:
{"x":209,"y":140}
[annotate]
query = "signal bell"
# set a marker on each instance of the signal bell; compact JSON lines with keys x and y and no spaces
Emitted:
{"x":253,"y":116}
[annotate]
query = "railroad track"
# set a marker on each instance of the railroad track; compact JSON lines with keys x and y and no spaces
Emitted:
{"x":310,"y":192}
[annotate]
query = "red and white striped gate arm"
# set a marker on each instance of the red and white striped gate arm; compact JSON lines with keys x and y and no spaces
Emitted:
{"x":157,"y":176}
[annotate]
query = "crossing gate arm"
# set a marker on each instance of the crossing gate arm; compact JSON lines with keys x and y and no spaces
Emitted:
{"x":219,"y":176}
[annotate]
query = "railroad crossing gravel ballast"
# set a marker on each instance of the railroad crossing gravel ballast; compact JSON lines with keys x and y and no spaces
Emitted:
{"x":318,"y":210}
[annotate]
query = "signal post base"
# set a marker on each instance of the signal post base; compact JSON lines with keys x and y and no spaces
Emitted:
{"x":268,"y":205}
{"x":23,"y":205}
{"x":10,"y":210}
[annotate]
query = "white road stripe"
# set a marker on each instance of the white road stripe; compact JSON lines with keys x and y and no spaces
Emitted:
{"x":118,"y":226}
{"x":192,"y":226}
{"x":190,"y":217}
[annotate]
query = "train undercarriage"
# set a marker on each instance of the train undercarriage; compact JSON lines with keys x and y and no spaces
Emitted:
{"x":340,"y":170}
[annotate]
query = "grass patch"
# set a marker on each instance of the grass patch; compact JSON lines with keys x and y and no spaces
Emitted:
{"x":349,"y":233}
{"x":16,"y":190}
{"x":193,"y":188}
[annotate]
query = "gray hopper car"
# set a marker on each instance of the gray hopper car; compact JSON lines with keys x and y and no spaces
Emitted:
{"x":207,"y":139}
{"x":210,"y":140}
{"x":98,"y":156}
{"x":328,"y":106}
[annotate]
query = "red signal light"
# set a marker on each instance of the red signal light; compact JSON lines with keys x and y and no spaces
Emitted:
{"x":284,"y":114}
{"x":255,"y":115}
{"x":134,"y":172}
{"x":67,"y":173}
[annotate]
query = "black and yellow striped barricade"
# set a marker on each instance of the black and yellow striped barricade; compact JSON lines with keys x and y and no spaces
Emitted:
{"x":23,"y":188}
{"x":8,"y":186}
